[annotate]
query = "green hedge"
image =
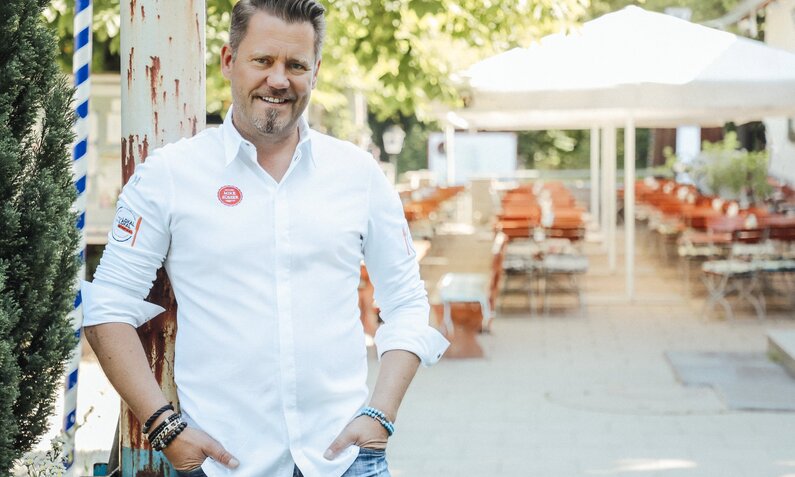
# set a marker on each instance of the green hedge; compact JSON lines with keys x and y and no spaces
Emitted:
{"x":38,"y":238}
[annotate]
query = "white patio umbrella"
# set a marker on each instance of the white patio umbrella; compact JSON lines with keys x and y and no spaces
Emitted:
{"x":658,"y":68}
{"x":629,"y":68}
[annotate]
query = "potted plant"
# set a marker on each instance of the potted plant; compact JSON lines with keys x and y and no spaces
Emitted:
{"x":724,"y":169}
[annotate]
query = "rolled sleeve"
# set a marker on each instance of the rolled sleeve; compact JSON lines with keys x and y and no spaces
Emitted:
{"x":103,"y":304}
{"x":392,"y":264}
{"x":427,"y":343}
{"x":137,"y":245}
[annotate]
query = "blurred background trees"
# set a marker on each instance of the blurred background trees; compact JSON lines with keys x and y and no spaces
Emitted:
{"x":399,"y":53}
{"x":702,"y":10}
{"x":402,"y":55}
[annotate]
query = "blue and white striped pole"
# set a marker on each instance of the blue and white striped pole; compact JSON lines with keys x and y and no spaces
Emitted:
{"x":81,"y":65}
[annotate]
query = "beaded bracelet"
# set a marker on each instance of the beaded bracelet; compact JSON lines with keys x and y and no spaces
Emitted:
{"x":170,"y":438}
{"x":168,"y":435}
{"x":151,"y":420}
{"x":378,"y":416}
{"x":163,"y":435}
{"x":173,"y":417}
{"x":170,"y":425}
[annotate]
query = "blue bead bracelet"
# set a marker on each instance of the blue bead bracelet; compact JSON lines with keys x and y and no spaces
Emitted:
{"x":378,"y":416}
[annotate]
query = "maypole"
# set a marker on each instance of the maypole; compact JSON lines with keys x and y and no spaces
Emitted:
{"x":81,"y":65}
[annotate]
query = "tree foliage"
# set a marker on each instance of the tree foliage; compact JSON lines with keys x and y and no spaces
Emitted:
{"x":702,"y":10}
{"x":396,"y":51}
{"x":107,"y":23}
{"x":402,"y":54}
{"x":38,"y":237}
{"x":399,"y":52}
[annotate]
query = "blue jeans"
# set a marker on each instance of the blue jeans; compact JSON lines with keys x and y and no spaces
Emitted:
{"x":370,"y":463}
{"x":197,"y":472}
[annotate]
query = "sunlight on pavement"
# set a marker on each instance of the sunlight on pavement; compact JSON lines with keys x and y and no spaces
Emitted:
{"x":644,"y":465}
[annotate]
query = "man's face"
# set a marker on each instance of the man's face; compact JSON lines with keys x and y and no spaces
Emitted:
{"x":272,"y":76}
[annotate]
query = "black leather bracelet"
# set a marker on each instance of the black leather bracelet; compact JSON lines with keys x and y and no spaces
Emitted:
{"x":151,"y":420}
{"x":170,"y":433}
{"x":166,"y":422}
{"x":173,"y":435}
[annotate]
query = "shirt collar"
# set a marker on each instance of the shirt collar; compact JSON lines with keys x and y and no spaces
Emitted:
{"x":234,"y":142}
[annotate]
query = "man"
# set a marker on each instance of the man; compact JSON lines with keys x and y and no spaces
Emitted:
{"x":262,"y":224}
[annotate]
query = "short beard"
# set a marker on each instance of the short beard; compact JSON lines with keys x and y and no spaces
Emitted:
{"x":267,"y":125}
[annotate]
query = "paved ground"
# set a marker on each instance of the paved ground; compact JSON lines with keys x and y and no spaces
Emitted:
{"x":569,"y":394}
{"x":577,"y":394}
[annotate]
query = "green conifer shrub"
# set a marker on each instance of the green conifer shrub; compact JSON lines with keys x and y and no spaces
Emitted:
{"x":38,"y":238}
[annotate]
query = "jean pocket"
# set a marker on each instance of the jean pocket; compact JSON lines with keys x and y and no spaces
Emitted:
{"x":370,"y":463}
{"x":197,"y":472}
{"x":373,"y":452}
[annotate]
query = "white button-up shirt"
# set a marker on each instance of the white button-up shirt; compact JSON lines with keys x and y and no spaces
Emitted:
{"x":270,"y":353}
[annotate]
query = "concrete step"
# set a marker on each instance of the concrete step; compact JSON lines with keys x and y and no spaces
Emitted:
{"x":781,"y":348}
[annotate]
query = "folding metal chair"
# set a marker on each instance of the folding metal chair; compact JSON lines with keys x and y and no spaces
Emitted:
{"x":569,"y":267}
{"x":739,"y":273}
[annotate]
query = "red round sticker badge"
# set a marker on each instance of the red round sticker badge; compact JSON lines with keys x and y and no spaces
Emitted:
{"x":230,"y":195}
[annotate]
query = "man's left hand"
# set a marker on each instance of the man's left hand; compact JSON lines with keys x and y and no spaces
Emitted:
{"x":363,"y":431}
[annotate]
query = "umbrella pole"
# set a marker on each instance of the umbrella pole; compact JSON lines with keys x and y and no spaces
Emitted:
{"x":604,"y":203}
{"x":629,"y":206}
{"x":595,"y":189}
{"x":609,"y":152}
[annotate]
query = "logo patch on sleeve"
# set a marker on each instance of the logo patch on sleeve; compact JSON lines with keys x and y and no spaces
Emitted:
{"x":230,"y":195}
{"x":125,"y":225}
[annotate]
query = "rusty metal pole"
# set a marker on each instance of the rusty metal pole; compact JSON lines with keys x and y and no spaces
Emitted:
{"x":162,"y":100}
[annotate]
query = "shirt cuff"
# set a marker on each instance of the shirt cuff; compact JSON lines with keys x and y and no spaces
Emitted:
{"x":424,"y":341}
{"x":102,"y":304}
